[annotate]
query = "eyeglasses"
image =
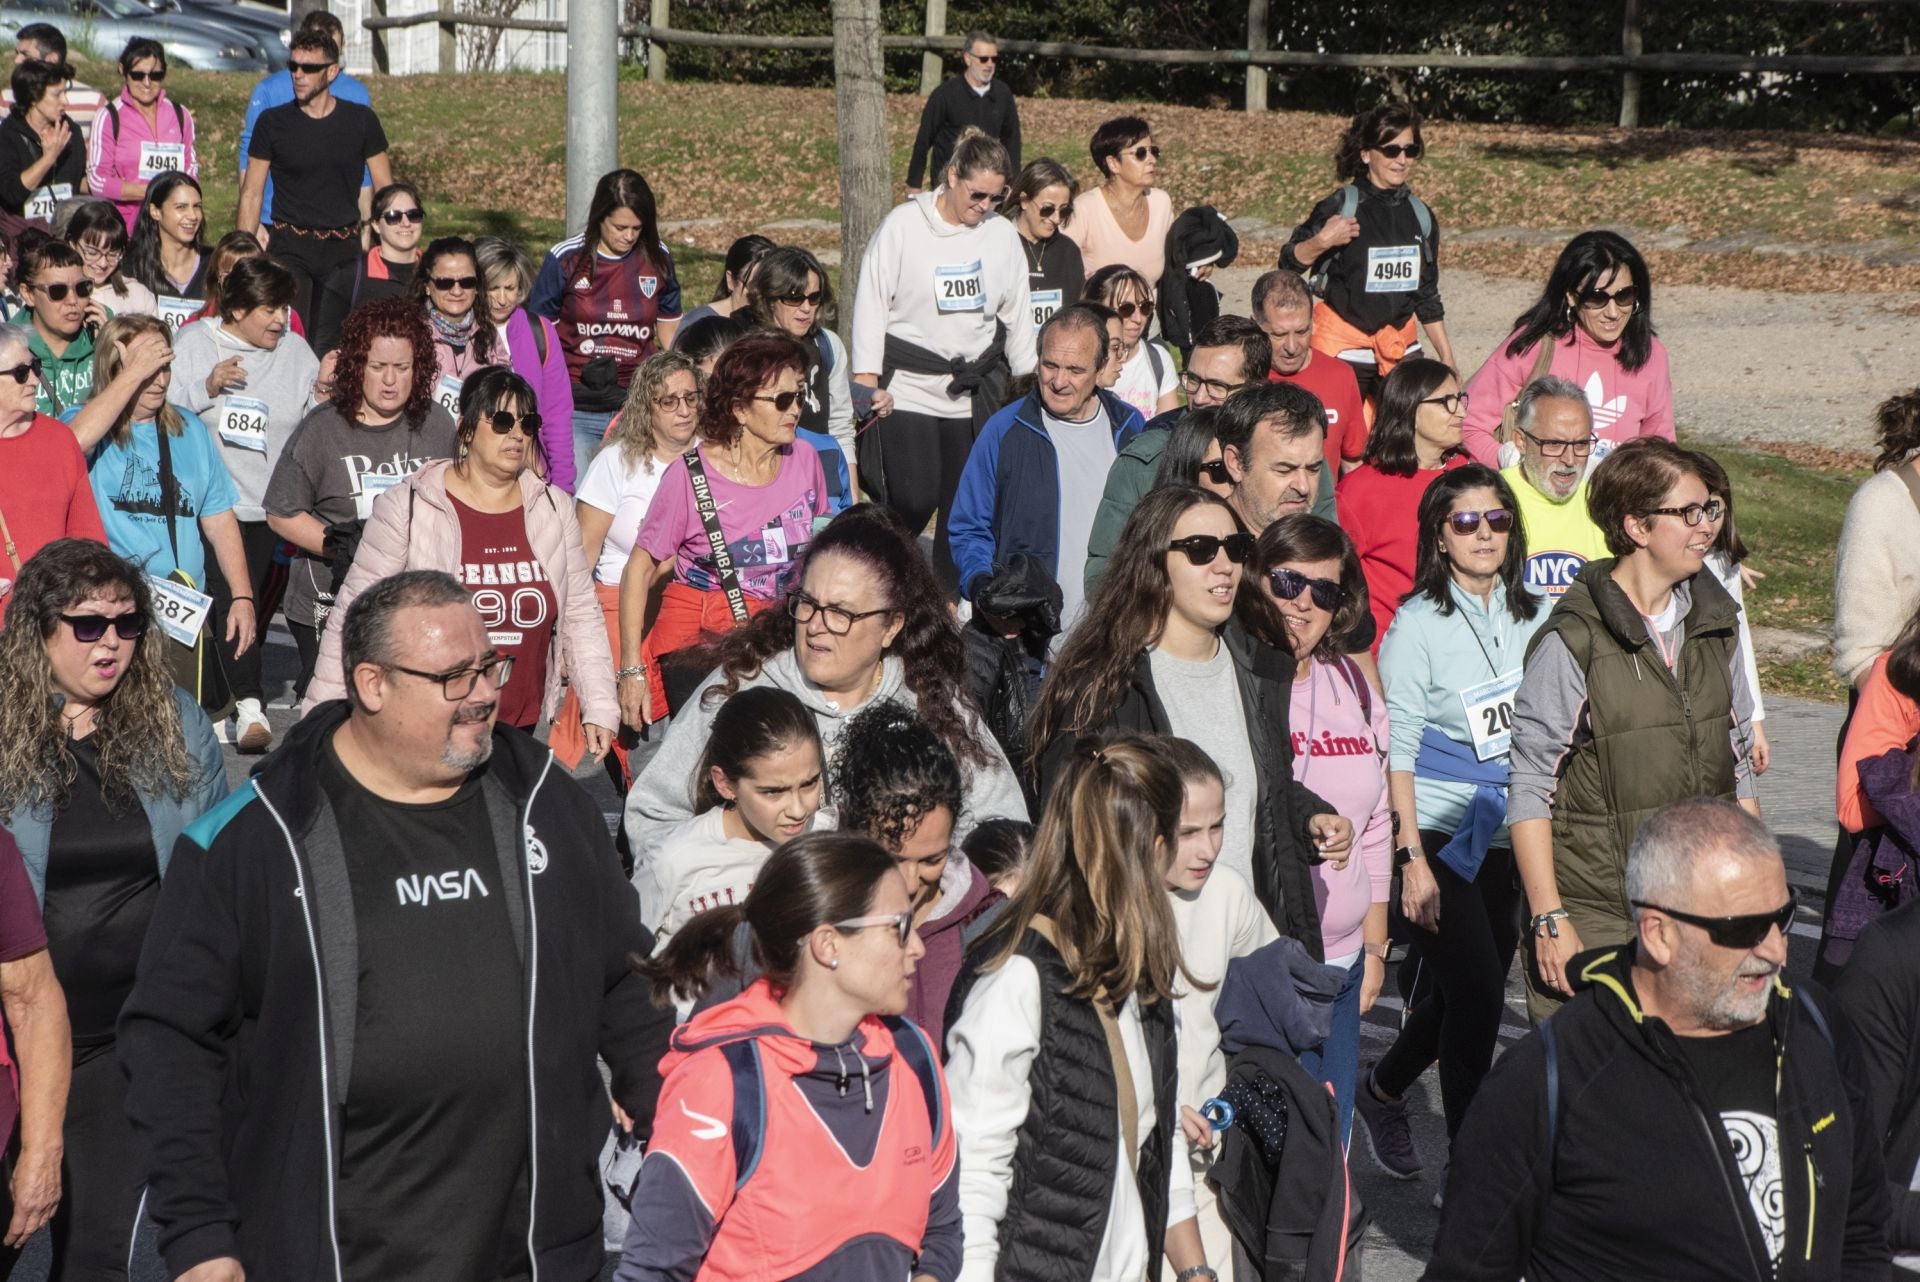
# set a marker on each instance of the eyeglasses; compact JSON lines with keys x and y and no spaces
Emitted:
{"x":394,"y":217}
{"x":1193,"y":383}
{"x":1215,"y":470}
{"x":1127,"y":311}
{"x":670,"y":403}
{"x":803,"y":300}
{"x":1744,"y":932}
{"x":902,"y":924}
{"x":1557,"y":449}
{"x":57,"y":291}
{"x":1141,"y":153}
{"x":504,"y":421}
{"x":1048,"y":211}
{"x":445,"y":283}
{"x":89,"y":628}
{"x":1452,"y":404}
{"x":782,"y":401}
{"x":995,"y":199}
{"x":1626,"y":298}
{"x":141,"y":77}
{"x":458,"y":684}
{"x":1201,"y":549}
{"x":1394,"y":150}
{"x":801,"y":608}
{"x":308,"y":68}
{"x":1693,"y":513}
{"x":99,"y":253}
{"x":1287,"y":585}
{"x":20,"y":373}
{"x":1499,"y":520}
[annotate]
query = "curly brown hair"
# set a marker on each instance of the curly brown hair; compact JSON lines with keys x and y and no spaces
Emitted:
{"x":398,"y":317}
{"x":890,"y":771}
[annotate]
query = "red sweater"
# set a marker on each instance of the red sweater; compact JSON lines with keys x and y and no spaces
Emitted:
{"x":1379,"y":513}
{"x":44,"y":493}
{"x":1328,"y":378}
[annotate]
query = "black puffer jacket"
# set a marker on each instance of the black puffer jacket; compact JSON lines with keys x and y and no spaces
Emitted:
{"x":1880,"y":993}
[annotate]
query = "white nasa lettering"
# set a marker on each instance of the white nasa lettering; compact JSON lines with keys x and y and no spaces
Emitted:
{"x":423,"y":888}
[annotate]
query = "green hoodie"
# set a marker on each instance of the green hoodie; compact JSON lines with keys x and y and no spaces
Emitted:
{"x":65,"y":380}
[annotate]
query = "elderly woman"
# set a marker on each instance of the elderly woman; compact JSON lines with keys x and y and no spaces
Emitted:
{"x":43,"y":157}
{"x":378,"y":427}
{"x":386,"y":269}
{"x":1125,"y":219}
{"x":487,"y":518}
{"x":104,"y":763}
{"x":789,"y":291}
{"x":1634,"y":696}
{"x":44,"y":490}
{"x":142,"y":135}
{"x":1040,"y":203}
{"x":728,"y":522}
{"x":531,"y":345}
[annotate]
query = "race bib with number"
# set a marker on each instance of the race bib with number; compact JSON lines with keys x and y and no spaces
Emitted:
{"x":447,"y":392}
{"x":1045,"y":303}
{"x":372,"y":486}
{"x":1393,"y":269}
{"x":44,"y":201}
{"x":176,"y":311}
{"x":243,"y":422}
{"x":158,"y":158}
{"x":1489,"y":708}
{"x":183,"y":611}
{"x":958,"y":287}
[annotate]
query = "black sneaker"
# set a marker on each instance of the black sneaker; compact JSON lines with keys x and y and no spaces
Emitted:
{"x":1389,"y":1133}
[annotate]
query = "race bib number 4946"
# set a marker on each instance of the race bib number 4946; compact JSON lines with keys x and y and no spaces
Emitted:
{"x":1393,"y":269}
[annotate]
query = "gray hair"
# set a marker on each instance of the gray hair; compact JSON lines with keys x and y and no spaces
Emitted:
{"x":1281,"y":288}
{"x":1666,"y":850}
{"x":1075,"y":316}
{"x":1548,"y":387}
{"x":367,"y":636}
{"x":977,"y":37}
{"x":12,"y":333}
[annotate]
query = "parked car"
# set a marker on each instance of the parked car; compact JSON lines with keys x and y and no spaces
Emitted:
{"x":270,"y":30}
{"x":107,"y":25}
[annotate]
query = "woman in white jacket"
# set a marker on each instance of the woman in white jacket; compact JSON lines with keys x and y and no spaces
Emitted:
{"x":940,"y":278}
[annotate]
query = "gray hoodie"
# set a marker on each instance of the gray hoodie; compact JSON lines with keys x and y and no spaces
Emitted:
{"x":663,"y":794}
{"x":280,"y":377}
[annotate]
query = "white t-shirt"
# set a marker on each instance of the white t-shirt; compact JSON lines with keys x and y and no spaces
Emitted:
{"x":1137,"y":385}
{"x":697,"y":867}
{"x":612,"y":485}
{"x":1085,"y":453}
{"x":1204,"y":707}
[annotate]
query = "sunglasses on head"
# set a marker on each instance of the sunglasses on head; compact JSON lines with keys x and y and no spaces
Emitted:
{"x":1499,"y":520}
{"x":1394,"y":150}
{"x":1201,"y":549}
{"x":504,"y":421}
{"x":394,"y":217}
{"x":1287,"y":585}
{"x":141,"y":77}
{"x":57,"y":291}
{"x":1626,"y":298}
{"x":803,"y":300}
{"x":20,"y":373}
{"x":308,"y":68}
{"x":782,"y":401}
{"x":1215,"y":470}
{"x":1141,"y":153}
{"x":444,"y":283}
{"x":88,"y":628}
{"x":1744,"y":932}
{"x":1127,"y":311}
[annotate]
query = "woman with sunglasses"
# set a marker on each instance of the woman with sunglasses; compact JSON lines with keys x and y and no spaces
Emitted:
{"x":1634,"y":696}
{"x":866,"y":623}
{"x":167,"y":254}
{"x":487,"y":518}
{"x":531,"y":345}
{"x":1415,"y":438}
{"x":728,"y":546}
{"x":1040,"y":203}
{"x":1309,"y":570}
{"x":1592,"y":325}
{"x":941,"y":320}
{"x":1193,"y":455}
{"x":104,"y":762}
{"x":856,"y":1173}
{"x":1165,"y":648}
{"x":43,"y":155}
{"x":142,"y":136}
{"x":1125,"y":220}
{"x":385,"y":270}
{"x":789,"y":291}
{"x":1147,"y":379}
{"x":1450,"y":663}
{"x":95,"y":229}
{"x":1372,"y":249}
{"x":464,"y":338}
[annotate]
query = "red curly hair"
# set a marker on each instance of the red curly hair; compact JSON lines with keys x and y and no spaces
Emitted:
{"x":401,"y":318}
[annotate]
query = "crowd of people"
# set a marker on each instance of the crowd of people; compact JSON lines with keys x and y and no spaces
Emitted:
{"x":1045,"y":724}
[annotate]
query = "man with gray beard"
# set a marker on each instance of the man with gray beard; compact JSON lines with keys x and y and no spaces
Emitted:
{"x":362,"y":1040}
{"x":1553,"y":428}
{"x":1687,"y":1114}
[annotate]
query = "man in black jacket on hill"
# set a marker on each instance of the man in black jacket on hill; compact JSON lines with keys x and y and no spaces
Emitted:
{"x":1686,"y":1115}
{"x":971,"y":98}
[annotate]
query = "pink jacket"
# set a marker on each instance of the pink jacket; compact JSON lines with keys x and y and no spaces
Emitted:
{"x":113,"y":159}
{"x":414,"y":527}
{"x":1625,"y":404}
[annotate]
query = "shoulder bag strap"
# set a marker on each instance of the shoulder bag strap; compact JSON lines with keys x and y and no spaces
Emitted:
{"x":1542,"y":361}
{"x":169,"y":491}
{"x":716,"y":541}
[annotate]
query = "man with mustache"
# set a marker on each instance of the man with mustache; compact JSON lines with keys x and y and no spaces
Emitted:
{"x":1553,"y":428}
{"x":1687,"y":1114}
{"x":363,"y":1038}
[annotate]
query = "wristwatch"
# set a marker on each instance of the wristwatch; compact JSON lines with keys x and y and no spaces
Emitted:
{"x":1377,"y":950}
{"x":1404,"y":855}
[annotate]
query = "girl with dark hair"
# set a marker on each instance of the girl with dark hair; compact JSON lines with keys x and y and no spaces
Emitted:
{"x":760,"y":781}
{"x":790,"y":292}
{"x":736,"y":272}
{"x":167,"y":254}
{"x":1596,"y":316}
{"x":612,"y":294}
{"x":1415,"y":438}
{"x":96,"y":230}
{"x":1372,"y":251}
{"x":1310,"y":572}
{"x":448,"y":286}
{"x":1173,"y":642}
{"x":894,"y":781}
{"x":998,"y":849}
{"x":1040,"y":205}
{"x":864,"y":623}
{"x":1727,"y":561}
{"x":230,"y":249}
{"x":378,"y":427}
{"x":141,"y":136}
{"x":1451,"y":662}
{"x":1146,"y":378}
{"x":487,"y":518}
{"x":704,"y":340}
{"x":43,"y":156}
{"x":855,"y":1172}
{"x":386,"y":269}
{"x":1125,"y":220}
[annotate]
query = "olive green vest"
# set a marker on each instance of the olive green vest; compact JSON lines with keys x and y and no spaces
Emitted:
{"x":1646,"y":737}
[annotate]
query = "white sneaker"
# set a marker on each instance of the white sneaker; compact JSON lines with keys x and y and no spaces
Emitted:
{"x":252,"y":735}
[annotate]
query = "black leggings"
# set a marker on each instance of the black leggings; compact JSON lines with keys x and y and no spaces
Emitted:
{"x":1461,"y":990}
{"x":243,"y":670}
{"x":912,"y":462}
{"x":306,"y":639}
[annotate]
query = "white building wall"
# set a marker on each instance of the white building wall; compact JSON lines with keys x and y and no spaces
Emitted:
{"x":415,"y":50}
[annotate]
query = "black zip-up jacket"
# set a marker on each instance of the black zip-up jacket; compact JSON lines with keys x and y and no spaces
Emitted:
{"x":1386,"y":219}
{"x":238,"y":1037}
{"x":950,"y":109}
{"x":20,"y":149}
{"x":1283,"y":852}
{"x":1880,"y":993}
{"x":1636,"y":1178}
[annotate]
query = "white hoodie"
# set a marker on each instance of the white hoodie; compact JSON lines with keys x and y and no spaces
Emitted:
{"x":943,"y":287}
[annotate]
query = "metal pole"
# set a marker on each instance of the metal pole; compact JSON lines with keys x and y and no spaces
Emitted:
{"x":930,"y":68}
{"x":1632,"y":46}
{"x":593,"y":39}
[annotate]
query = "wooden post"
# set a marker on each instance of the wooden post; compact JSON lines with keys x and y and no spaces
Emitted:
{"x":932,"y":72}
{"x":659,"y":14}
{"x":1256,"y":43}
{"x":449,"y":43}
{"x":382,"y":60}
{"x":860,"y":110}
{"x":1631,"y":46}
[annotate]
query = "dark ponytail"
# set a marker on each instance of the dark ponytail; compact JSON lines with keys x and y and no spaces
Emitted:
{"x":757,"y":722}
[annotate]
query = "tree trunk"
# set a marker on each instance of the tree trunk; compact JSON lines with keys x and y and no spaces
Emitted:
{"x":860,"y":107}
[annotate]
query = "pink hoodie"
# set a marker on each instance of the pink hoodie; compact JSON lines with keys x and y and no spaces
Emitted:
{"x":113,"y":159}
{"x":1339,"y":751}
{"x":1625,"y":403}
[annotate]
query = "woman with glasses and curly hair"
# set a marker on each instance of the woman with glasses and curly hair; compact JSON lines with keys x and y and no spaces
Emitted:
{"x":379,"y":427}
{"x":865,"y":623}
{"x":103,"y":763}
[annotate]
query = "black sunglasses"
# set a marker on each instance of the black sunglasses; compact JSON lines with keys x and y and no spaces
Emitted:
{"x":1201,"y":549}
{"x":57,"y":291}
{"x":455,"y":282}
{"x":1748,"y":931}
{"x":782,"y":401}
{"x":140,"y":77}
{"x":1287,"y":585}
{"x":1499,"y":520}
{"x":308,"y":68}
{"x":88,"y":628}
{"x":1047,"y":211}
{"x":1141,"y":153}
{"x":803,"y":300}
{"x":1394,"y":150}
{"x":394,"y":217}
{"x":1626,"y":298}
{"x":504,"y":421}
{"x":1215,"y":470}
{"x":20,"y":373}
